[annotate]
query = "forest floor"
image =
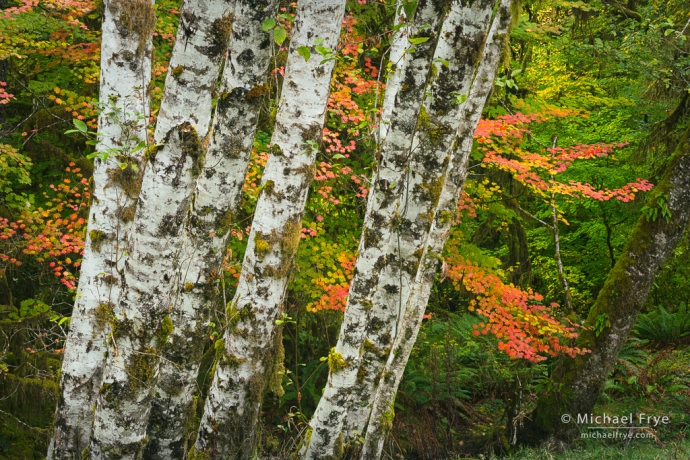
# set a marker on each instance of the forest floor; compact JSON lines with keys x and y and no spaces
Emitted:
{"x":640,"y":450}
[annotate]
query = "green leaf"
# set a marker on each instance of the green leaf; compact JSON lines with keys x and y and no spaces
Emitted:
{"x":305,"y":52}
{"x":338,"y":156}
{"x":279,"y":35}
{"x":418,"y":40}
{"x":268,"y":24}
{"x":443,"y":62}
{"x":102,"y":155}
{"x":410,"y":6}
{"x":323,"y":51}
{"x":80,"y":125}
{"x":318,"y":41}
{"x":668,"y":32}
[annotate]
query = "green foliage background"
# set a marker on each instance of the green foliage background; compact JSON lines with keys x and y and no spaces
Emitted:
{"x":624,"y":66}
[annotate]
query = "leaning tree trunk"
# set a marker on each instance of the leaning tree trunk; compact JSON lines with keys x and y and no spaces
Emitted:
{"x":140,"y":322}
{"x":397,"y":62}
{"x":245,"y":355}
{"x":400,"y":212}
{"x":382,"y":413}
{"x":216,"y":199}
{"x":578,"y":382}
{"x":125,"y":74}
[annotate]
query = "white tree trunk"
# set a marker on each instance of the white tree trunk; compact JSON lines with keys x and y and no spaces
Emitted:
{"x":381,"y":417}
{"x":140,"y":321}
{"x":245,"y":356}
{"x":125,"y":74}
{"x":397,"y":60}
{"x":400,"y":214}
{"x":216,"y":200}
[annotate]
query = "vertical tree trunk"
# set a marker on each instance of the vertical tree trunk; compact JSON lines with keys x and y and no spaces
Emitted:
{"x":125,"y":74}
{"x":381,"y":416}
{"x":244,"y":358}
{"x":400,"y":212}
{"x":577,"y":383}
{"x":140,"y":321}
{"x":568,"y":307}
{"x":216,"y":200}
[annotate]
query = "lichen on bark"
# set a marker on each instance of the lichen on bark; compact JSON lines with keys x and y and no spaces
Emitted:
{"x":229,"y":424}
{"x":401,"y":207}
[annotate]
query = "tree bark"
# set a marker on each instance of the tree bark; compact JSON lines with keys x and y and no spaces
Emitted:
{"x":396,"y":59}
{"x":577,"y":383}
{"x":568,"y":306}
{"x":400,"y":212}
{"x":140,"y":322}
{"x":216,"y":201}
{"x":245,"y":355}
{"x":125,"y":74}
{"x":382,"y":413}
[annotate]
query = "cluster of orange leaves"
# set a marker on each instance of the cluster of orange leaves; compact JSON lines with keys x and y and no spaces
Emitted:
{"x":54,"y":233}
{"x":335,"y":286}
{"x":80,"y":107}
{"x":526,"y":166}
{"x":4,"y":95}
{"x":524,"y":328}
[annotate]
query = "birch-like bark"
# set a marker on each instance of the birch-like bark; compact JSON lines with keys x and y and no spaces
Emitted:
{"x":216,"y":200}
{"x":244,"y":358}
{"x":401,"y":209}
{"x":140,"y":321}
{"x":382,"y":413}
{"x":577,"y":383}
{"x":397,"y":60}
{"x":126,"y":50}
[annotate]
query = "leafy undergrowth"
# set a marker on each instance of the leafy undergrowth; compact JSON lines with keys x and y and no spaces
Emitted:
{"x":457,"y":394}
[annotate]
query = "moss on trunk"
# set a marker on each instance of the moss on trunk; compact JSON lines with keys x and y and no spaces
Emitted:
{"x":577,"y":383}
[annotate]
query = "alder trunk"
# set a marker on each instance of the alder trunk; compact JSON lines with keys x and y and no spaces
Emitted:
{"x":216,"y":200}
{"x":577,"y":383}
{"x":400,"y":212}
{"x":245,"y":360}
{"x":382,"y":413}
{"x":397,"y":62}
{"x":126,"y":50}
{"x":140,"y":321}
